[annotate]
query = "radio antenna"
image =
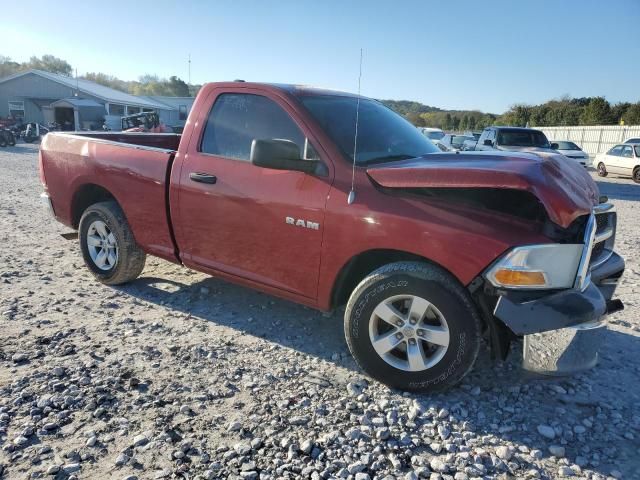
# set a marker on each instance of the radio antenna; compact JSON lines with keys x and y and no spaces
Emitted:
{"x":352,"y":194}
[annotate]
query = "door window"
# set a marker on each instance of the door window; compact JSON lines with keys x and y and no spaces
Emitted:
{"x":236,"y":119}
{"x":615,"y":151}
{"x":627,"y":152}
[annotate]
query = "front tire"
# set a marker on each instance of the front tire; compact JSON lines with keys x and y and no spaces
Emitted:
{"x":412,"y":326}
{"x":108,"y":247}
{"x":602,"y":170}
{"x":636,"y":175}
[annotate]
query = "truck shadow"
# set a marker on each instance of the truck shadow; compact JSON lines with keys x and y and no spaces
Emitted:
{"x":21,"y":149}
{"x":619,"y":191}
{"x":508,"y":407}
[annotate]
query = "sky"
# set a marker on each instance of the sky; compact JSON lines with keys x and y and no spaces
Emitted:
{"x":481,"y":54}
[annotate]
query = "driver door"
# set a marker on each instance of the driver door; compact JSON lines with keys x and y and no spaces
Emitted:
{"x":254,"y":223}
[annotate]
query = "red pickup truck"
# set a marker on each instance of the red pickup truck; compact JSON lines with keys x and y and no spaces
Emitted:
{"x":432,"y":252}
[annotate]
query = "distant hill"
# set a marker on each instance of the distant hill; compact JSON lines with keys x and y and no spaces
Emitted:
{"x":423,"y":115}
{"x":406,"y":107}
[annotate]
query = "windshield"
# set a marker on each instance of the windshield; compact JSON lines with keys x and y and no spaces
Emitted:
{"x":434,"y":135}
{"x":566,"y":145}
{"x":522,"y":138}
{"x":382,"y":134}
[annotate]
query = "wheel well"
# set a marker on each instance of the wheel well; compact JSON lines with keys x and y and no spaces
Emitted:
{"x":86,"y":196}
{"x":362,"y":265}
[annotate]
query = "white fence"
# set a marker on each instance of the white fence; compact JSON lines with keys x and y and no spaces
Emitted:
{"x":592,"y":140}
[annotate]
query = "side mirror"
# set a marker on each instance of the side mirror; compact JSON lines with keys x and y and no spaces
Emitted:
{"x":555,"y":146}
{"x":488,"y":143}
{"x":281,"y":154}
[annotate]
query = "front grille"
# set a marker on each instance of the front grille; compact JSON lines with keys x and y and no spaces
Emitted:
{"x":597,"y":251}
{"x":605,"y":229}
{"x":599,"y":237}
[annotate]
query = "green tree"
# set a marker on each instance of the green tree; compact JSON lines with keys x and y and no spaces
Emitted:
{"x":632,"y":115}
{"x":49,"y":63}
{"x":618,"y":111}
{"x":596,"y":112}
{"x":8,"y":66}
{"x":471,"y":124}
{"x":178,"y":87}
{"x":448,"y":121}
{"x":416,"y":119}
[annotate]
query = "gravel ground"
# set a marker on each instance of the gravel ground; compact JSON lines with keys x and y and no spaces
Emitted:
{"x":178,"y":375}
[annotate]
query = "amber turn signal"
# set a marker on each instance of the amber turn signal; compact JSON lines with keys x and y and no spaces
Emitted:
{"x":520,"y":278}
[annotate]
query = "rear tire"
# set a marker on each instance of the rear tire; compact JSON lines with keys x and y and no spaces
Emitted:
{"x":108,"y":246}
{"x":412,"y":326}
{"x":3,"y":140}
{"x":602,"y":170}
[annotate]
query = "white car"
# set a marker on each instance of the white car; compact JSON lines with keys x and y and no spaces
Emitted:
{"x":433,"y":134}
{"x":443,"y":146}
{"x":623,"y":159}
{"x":456,"y":142}
{"x":571,"y":150}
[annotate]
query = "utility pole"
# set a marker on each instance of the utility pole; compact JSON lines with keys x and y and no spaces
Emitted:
{"x":189,"y":69}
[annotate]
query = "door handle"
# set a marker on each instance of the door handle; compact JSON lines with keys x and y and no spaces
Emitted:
{"x":202,"y":177}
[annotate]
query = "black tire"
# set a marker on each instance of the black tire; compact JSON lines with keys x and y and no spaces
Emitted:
{"x":445,"y":293}
{"x":3,"y":140}
{"x":12,"y":140}
{"x":130,"y":257}
{"x":636,"y":175}
{"x":602,"y":170}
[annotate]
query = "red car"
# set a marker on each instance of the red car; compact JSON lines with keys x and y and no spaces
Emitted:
{"x":429,"y":253}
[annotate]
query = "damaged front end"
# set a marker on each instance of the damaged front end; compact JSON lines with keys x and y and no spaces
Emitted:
{"x":562,"y":284}
{"x":560,"y":323}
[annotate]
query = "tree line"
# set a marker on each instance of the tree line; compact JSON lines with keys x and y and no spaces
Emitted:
{"x":145,"y":85}
{"x":563,"y":111}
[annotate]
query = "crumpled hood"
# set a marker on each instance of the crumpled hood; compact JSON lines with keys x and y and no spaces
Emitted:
{"x":565,"y":189}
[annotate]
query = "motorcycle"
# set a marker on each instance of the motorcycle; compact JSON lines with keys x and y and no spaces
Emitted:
{"x":34,"y":132}
{"x":7,"y":138}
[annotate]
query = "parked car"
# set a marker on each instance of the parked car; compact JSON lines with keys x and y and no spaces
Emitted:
{"x":623,"y":159}
{"x":433,"y":134}
{"x":571,"y":150}
{"x":443,"y":147}
{"x":513,"y":139}
{"x":470,"y":144}
{"x":632,"y":140}
{"x":456,"y":142}
{"x":429,"y":251}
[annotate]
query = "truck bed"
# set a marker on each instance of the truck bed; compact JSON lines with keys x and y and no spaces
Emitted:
{"x":165,"y":141}
{"x":133,"y":167}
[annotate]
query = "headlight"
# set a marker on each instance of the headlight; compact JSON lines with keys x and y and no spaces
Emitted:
{"x":545,"y":266}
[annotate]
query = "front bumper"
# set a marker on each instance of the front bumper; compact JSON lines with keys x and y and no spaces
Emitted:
{"x":565,"y":308}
